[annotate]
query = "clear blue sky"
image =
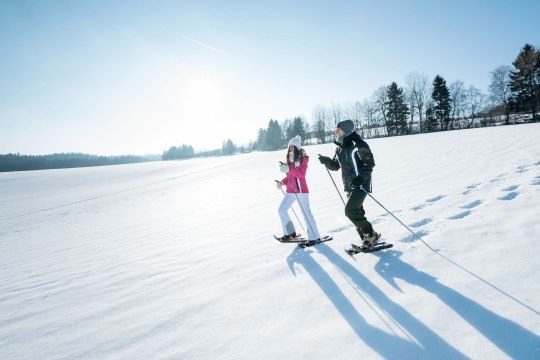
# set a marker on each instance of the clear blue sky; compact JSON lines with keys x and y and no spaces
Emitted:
{"x":119,"y":77}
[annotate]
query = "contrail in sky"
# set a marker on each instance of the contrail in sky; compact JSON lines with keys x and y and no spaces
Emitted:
{"x":202,"y":44}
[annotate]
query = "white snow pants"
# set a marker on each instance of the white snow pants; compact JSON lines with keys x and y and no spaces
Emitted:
{"x":286,"y":222}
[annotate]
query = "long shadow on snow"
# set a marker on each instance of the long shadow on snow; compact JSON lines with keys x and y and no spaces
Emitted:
{"x":516,"y":341}
{"x":426,"y":343}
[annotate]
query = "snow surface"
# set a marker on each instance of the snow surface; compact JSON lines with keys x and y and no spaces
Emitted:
{"x":176,"y":260}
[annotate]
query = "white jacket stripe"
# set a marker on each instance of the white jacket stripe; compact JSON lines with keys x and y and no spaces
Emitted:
{"x":355,"y":150}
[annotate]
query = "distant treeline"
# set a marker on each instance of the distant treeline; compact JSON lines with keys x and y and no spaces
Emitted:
{"x":180,"y":152}
{"x":187,"y":151}
{"x":422,"y":105}
{"x":18,"y":162}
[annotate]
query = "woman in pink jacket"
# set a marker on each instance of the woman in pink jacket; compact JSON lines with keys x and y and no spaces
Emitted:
{"x":297,"y":189}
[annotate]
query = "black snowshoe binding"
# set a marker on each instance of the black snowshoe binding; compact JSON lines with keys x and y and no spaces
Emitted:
{"x":291,"y":236}
{"x":369,"y":239}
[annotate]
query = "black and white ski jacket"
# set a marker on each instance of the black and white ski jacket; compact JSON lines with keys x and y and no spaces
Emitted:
{"x":355,"y":159}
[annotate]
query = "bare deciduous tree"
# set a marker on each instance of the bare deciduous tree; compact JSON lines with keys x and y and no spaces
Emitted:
{"x":358,"y":117}
{"x":457,"y":99}
{"x":369,"y":113}
{"x":499,"y":89}
{"x":380,"y":100}
{"x":321,"y":119}
{"x":336,"y":114}
{"x":409,"y":98}
{"x":419,"y":90}
{"x":474,"y":103}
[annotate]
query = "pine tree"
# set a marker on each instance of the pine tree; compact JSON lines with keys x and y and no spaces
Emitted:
{"x":180,"y":152}
{"x":287,"y":128}
{"x":396,"y":111}
{"x":261,"y":140}
{"x":430,"y":123}
{"x":299,"y":127}
{"x":228,"y":147}
{"x":442,"y":102}
{"x":525,"y":80}
{"x":274,"y":136}
{"x":186,"y":152}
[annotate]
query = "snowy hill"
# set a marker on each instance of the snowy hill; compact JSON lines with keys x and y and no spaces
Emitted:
{"x":175,"y":260}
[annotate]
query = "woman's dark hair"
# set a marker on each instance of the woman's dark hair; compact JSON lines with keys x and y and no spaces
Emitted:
{"x":297,"y":154}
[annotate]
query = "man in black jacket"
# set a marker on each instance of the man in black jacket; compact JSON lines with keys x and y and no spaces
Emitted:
{"x":355,"y":159}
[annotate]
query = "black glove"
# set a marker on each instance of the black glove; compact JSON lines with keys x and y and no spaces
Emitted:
{"x":324,"y":160}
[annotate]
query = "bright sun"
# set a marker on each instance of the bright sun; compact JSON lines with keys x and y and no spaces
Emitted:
{"x":202,"y":100}
{"x":195,"y":109}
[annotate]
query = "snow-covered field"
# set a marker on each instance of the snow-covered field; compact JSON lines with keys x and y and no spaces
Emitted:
{"x":176,"y":260}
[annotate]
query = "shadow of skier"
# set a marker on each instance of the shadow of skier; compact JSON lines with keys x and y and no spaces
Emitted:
{"x":425,"y":344}
{"x":514,"y":340}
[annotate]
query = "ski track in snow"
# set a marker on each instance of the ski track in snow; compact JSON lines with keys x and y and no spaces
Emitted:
{"x":175,"y":260}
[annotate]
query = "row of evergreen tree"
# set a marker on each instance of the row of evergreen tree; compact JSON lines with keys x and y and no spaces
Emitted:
{"x":18,"y":162}
{"x":511,"y":90}
{"x":180,"y":152}
{"x":424,"y":106}
{"x":276,"y":135}
{"x":187,"y":151}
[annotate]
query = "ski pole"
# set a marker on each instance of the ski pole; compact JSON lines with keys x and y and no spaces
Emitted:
{"x":294,"y":212}
{"x":328,"y":171}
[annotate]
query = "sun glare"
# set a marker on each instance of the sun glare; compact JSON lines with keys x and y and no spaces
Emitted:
{"x":203,"y":99}
{"x":197,"y":109}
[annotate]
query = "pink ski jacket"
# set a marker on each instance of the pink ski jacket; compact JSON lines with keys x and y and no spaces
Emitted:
{"x":296,"y":177}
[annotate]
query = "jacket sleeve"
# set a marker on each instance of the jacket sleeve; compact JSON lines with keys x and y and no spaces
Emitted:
{"x":366,"y":160}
